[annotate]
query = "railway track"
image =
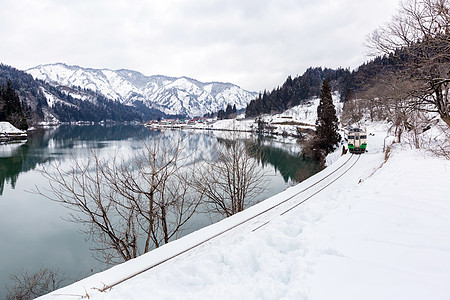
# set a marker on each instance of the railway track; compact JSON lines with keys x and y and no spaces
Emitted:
{"x":335,"y":175}
{"x":327,"y":185}
{"x":313,"y":185}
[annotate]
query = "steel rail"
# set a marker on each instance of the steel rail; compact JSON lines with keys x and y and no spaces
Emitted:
{"x":327,"y":185}
{"x":309,"y":197}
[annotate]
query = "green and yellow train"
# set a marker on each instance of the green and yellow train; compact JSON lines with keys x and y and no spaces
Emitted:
{"x":356,"y":140}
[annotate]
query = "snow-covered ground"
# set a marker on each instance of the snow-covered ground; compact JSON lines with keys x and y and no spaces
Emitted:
{"x":379,"y":231}
{"x":7,"y":128}
{"x":287,"y":122}
{"x":9,"y":132}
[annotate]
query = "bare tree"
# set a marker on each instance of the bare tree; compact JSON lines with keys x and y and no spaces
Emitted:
{"x":388,"y":98}
{"x":232,"y":180}
{"x":129,"y":206}
{"x":418,"y":38}
{"x":438,"y":139}
{"x":29,"y":286}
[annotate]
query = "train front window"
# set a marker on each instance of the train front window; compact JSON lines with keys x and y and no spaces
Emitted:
{"x":357,"y":137}
{"x":364,"y":137}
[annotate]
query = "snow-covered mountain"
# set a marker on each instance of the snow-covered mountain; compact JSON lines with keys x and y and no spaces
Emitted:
{"x":184,"y":96}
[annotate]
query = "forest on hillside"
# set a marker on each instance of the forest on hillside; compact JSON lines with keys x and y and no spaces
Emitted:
{"x":349,"y":84}
{"x":11,"y":108}
{"x":295,"y":91}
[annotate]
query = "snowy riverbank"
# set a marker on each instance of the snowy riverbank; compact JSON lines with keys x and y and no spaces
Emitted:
{"x":379,"y":231}
{"x":296,"y":122}
{"x":9,"y":132}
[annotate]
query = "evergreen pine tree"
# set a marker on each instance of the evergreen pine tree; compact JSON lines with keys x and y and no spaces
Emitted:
{"x":10,"y":106}
{"x":327,"y":135}
{"x":220,"y":114}
{"x":228,"y":111}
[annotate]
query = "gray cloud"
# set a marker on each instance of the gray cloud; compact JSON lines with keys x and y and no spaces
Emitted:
{"x":254,"y":43}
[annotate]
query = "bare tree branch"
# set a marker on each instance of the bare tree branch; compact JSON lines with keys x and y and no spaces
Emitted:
{"x":231,"y":182}
{"x":27,"y":286}
{"x":129,"y":206}
{"x":418,"y":39}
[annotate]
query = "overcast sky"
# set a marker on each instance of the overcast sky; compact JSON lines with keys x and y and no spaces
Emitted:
{"x":255,"y":44}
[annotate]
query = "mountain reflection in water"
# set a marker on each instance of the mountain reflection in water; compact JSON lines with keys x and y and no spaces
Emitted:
{"x":290,"y":165}
{"x":44,"y":146}
{"x":47,"y":145}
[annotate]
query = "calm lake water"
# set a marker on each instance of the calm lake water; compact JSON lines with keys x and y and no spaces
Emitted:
{"x":33,"y":233}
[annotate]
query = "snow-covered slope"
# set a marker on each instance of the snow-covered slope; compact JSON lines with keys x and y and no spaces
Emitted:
{"x":302,"y":116}
{"x":380,"y":231}
{"x":7,"y":128}
{"x":183,"y":95}
{"x":9,"y":132}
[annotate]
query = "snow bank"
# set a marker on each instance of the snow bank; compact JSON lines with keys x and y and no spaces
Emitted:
{"x":8,"y":132}
{"x":7,"y":128}
{"x":390,"y":239}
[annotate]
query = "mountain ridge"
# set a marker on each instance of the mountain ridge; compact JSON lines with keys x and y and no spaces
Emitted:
{"x":171,"y":95}
{"x":44,"y":103}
